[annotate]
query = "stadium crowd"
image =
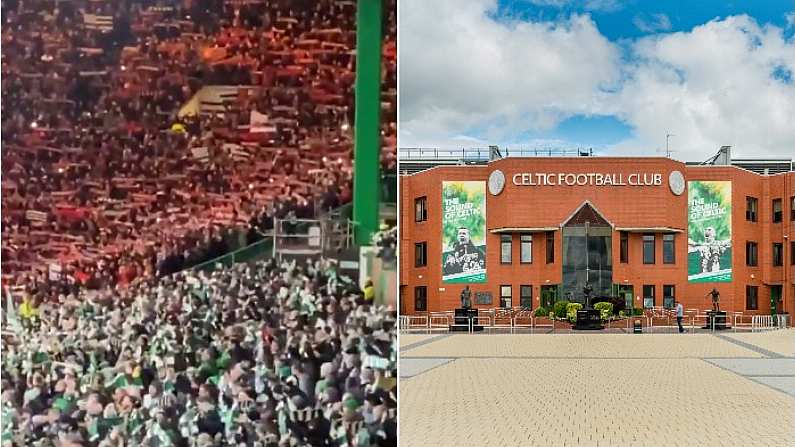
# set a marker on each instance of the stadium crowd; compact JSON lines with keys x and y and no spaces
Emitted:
{"x":255,"y":355}
{"x":120,"y":162}
{"x":143,"y":137}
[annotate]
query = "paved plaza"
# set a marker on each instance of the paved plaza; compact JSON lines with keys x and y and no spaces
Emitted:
{"x":598,"y":389}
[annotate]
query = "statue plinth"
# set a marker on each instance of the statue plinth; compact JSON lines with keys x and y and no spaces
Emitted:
{"x":464,"y":320}
{"x":716,"y":320}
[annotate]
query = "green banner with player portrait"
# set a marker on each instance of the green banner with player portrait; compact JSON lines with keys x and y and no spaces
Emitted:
{"x":709,"y":231}
{"x":464,"y":232}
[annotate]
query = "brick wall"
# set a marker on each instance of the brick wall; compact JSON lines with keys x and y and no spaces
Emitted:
{"x":622,"y":206}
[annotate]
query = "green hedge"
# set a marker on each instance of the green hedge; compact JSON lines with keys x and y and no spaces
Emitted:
{"x":541,"y":312}
{"x":559,"y":309}
{"x":571,"y":311}
{"x":605,"y":309}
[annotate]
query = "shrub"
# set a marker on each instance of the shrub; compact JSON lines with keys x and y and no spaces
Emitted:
{"x":571,"y":311}
{"x":618,"y":303}
{"x":622,"y":314}
{"x":560,"y":309}
{"x":605,"y":310}
{"x":637,"y":312}
{"x":541,"y":312}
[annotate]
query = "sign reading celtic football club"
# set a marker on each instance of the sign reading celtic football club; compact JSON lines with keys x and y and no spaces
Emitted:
{"x":464,"y":232}
{"x":709,"y":231}
{"x":587,"y":179}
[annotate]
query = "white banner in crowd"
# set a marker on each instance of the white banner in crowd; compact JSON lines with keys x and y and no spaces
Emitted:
{"x":236,"y":151}
{"x":259,"y":123}
{"x":55,"y":272}
{"x":200,"y":153}
{"x":98,"y":22}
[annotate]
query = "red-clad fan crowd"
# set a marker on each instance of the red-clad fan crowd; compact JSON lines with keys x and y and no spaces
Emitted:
{"x":129,"y":148}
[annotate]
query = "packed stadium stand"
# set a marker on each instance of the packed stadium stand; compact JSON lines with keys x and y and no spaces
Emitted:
{"x":143,"y":138}
{"x":106,"y":172}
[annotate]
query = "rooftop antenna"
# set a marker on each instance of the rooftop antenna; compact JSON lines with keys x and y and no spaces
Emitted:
{"x":667,"y":149}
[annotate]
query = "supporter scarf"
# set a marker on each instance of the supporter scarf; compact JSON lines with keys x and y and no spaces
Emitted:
{"x":161,"y":435}
{"x":123,"y":380}
{"x":188,"y":422}
{"x":101,"y":426}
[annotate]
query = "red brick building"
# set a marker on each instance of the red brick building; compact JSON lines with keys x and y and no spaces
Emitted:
{"x":636,"y":208}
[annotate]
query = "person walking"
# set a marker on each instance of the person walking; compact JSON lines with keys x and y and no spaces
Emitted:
{"x":680,"y":313}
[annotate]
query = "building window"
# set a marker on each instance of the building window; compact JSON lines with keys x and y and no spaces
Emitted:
{"x":669,"y":252}
{"x":526,"y":248}
{"x":505,"y":248}
{"x":421,"y":254}
{"x":420,"y":209}
{"x":624,"y":248}
{"x":778,"y":254}
{"x":777,"y":212}
{"x":420,"y":298}
{"x":669,"y":296}
{"x":751,"y":206}
{"x":792,"y":208}
{"x":648,"y":249}
{"x":792,"y":253}
{"x":526,"y":297}
{"x":751,"y":297}
{"x":550,"y":247}
{"x":505,"y":296}
{"x":751,"y":254}
{"x":648,"y":296}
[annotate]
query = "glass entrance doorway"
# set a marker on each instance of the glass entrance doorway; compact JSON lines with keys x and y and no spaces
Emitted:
{"x":587,"y":254}
{"x":549,"y":294}
{"x":627,"y":292}
{"x":775,"y":298}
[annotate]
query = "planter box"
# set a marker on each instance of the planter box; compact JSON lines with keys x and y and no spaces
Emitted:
{"x":545,"y":321}
{"x":620,"y":323}
{"x":563,"y":324}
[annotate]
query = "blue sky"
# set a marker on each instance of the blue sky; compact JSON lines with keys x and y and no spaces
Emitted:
{"x":631,"y":19}
{"x":615,"y":75}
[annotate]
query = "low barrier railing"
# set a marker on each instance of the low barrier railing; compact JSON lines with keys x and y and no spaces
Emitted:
{"x":439,"y":320}
{"x":762,"y":322}
{"x":651,"y":322}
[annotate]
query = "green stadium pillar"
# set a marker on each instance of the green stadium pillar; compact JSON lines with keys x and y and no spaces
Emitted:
{"x":367,"y":127}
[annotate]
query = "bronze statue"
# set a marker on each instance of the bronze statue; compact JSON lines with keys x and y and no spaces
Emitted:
{"x":587,"y":290}
{"x":466,"y":302}
{"x":715,"y":299}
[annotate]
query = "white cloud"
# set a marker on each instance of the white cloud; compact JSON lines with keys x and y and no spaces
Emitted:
{"x":790,"y":19}
{"x":652,"y":23}
{"x":462,"y":69}
{"x":588,"y":5}
{"x":711,"y":86}
{"x":603,"y":5}
{"x":554,"y":3}
{"x":465,"y":74}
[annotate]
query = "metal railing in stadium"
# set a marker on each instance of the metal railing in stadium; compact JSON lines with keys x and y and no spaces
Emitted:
{"x":258,"y":250}
{"x":330,"y":231}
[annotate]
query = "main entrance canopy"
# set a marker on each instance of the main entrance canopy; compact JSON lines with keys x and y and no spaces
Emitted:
{"x":587,"y":254}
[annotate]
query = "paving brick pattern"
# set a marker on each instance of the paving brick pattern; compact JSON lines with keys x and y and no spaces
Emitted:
{"x":781,"y":342}
{"x":582,"y":345}
{"x":532,"y":390}
{"x":410,"y":339}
